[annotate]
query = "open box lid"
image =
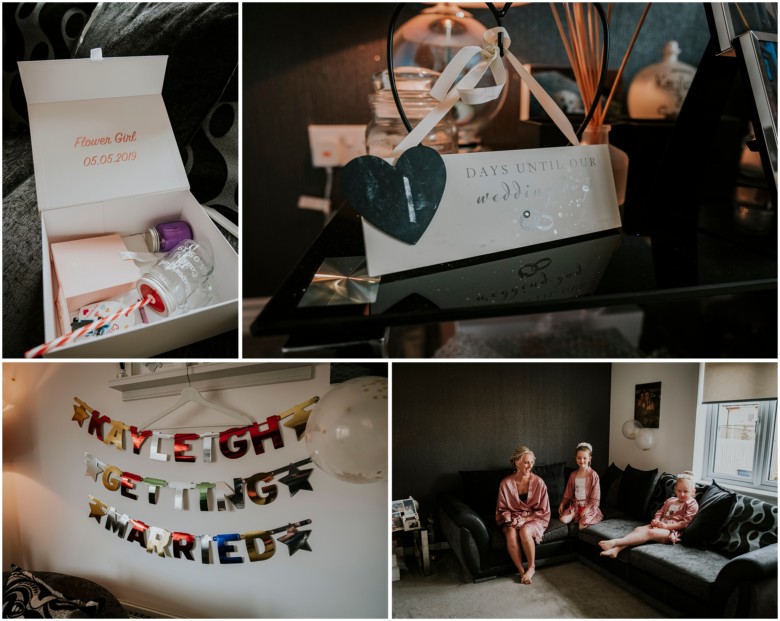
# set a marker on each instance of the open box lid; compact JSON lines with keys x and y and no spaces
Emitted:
{"x":100,"y":130}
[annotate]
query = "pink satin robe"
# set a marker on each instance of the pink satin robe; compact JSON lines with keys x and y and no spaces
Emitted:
{"x":535,"y":510}
{"x":591,"y":514}
{"x":684,"y":515}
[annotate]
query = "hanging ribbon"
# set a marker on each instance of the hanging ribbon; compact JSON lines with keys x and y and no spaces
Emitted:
{"x":448,"y":92}
{"x":260,"y":545}
{"x":126,"y":483}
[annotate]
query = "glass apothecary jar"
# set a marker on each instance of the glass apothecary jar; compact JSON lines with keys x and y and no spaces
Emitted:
{"x":386,"y":129}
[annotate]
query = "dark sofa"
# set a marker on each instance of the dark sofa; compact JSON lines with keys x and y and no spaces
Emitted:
{"x":725,"y":566}
{"x":201,"y":97}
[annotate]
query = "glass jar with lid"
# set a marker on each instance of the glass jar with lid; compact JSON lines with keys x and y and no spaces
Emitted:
{"x":386,"y":129}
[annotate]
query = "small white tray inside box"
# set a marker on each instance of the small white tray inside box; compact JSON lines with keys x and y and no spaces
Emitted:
{"x":106,"y":161}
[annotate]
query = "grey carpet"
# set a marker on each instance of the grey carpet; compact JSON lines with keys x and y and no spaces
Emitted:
{"x":568,"y":590}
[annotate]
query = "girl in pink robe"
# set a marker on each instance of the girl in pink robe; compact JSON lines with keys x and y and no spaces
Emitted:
{"x":668,"y":523}
{"x":582,"y":495}
{"x":523,"y":511}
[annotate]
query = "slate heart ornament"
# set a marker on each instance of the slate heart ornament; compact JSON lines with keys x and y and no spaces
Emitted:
{"x":399,"y":200}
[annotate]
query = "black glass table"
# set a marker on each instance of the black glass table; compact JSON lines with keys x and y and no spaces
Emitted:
{"x":677,"y":275}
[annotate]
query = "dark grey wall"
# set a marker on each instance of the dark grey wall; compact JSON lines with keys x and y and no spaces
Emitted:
{"x":312,"y":63}
{"x":470,"y":416}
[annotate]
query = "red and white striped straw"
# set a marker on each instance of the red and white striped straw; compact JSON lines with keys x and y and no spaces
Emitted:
{"x":71,"y":336}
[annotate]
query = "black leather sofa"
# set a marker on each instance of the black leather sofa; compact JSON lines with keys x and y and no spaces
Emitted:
{"x":725,"y":566}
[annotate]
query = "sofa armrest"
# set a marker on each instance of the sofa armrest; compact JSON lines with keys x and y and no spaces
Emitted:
{"x":749,"y":573}
{"x":466,"y":532}
{"x":465,"y":517}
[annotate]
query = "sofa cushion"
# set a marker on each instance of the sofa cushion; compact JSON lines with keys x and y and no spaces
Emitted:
{"x":689,"y":569}
{"x":635,"y":489}
{"x":752,"y":525}
{"x":608,"y":529}
{"x":715,"y":506}
{"x":27,"y":596}
{"x":663,"y":489}
{"x":552,"y":475}
{"x":480,"y":489}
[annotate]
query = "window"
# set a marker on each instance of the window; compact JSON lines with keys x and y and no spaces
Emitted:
{"x":742,"y":443}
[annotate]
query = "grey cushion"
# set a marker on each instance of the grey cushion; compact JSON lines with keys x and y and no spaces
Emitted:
{"x":715,"y":506}
{"x":753,"y":525}
{"x":608,"y":529}
{"x":635,"y":489}
{"x":663,"y":489}
{"x":689,"y":569}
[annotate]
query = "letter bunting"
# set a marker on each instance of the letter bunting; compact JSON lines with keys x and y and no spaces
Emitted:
{"x":233,"y":442}
{"x":260,"y":488}
{"x":260,"y":545}
{"x":127,"y":484}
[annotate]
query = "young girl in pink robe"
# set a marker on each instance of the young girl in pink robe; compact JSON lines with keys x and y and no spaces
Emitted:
{"x":668,"y":523}
{"x":582,"y":495}
{"x":523,"y":511}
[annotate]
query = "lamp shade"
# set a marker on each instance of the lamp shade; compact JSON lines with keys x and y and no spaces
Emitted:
{"x":630,"y":428}
{"x":431,"y":40}
{"x":347,"y":433}
{"x":645,"y":439}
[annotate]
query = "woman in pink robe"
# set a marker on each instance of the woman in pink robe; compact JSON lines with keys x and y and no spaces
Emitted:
{"x":582,"y":495}
{"x":667,"y":525}
{"x":523,"y":511}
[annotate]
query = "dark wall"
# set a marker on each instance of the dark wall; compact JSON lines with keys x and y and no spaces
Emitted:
{"x":470,"y":416}
{"x":308,"y":64}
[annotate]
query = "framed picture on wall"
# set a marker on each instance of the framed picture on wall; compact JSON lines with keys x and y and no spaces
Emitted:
{"x":647,"y":404}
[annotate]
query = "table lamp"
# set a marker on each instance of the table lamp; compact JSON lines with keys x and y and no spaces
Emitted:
{"x":430,"y":40}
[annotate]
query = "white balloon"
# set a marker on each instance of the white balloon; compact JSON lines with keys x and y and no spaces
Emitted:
{"x":645,"y":439}
{"x":347,"y":432}
{"x":630,"y":428}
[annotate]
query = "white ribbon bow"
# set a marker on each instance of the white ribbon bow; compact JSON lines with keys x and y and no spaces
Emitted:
{"x":448,"y":92}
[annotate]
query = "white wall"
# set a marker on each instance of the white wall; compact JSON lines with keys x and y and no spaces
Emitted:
{"x":45,"y":507}
{"x":674,"y":450}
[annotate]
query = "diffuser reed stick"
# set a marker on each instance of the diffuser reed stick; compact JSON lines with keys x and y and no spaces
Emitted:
{"x":581,"y":38}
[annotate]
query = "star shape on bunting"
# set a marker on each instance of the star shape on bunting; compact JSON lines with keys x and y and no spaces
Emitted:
{"x":94,"y":467}
{"x":300,"y":416}
{"x":296,"y":540}
{"x":79,"y":415}
{"x":97,"y":509}
{"x":297,"y":479}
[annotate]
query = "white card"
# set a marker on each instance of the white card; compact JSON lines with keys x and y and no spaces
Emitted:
{"x":502,"y":200}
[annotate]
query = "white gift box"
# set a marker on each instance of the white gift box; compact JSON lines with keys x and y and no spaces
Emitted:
{"x":106,"y":161}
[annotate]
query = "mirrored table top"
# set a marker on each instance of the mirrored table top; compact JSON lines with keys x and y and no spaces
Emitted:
{"x":328,"y":295}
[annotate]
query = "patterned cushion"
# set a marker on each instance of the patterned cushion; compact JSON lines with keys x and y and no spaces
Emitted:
{"x":27,"y":596}
{"x":42,"y":31}
{"x":199,"y":38}
{"x":753,"y":525}
{"x":715,"y":506}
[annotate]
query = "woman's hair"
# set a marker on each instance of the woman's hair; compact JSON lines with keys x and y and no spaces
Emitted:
{"x":585,"y":446}
{"x":686,"y":476}
{"x":519,"y":452}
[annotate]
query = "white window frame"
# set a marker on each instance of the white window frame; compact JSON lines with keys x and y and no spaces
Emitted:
{"x":765,"y":439}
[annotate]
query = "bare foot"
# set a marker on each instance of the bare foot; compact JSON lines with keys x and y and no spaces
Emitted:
{"x":520,"y":576}
{"x":606,"y":544}
{"x":529,"y":573}
{"x":611,"y":552}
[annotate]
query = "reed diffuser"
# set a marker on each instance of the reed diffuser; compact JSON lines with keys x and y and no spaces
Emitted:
{"x":580,"y":30}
